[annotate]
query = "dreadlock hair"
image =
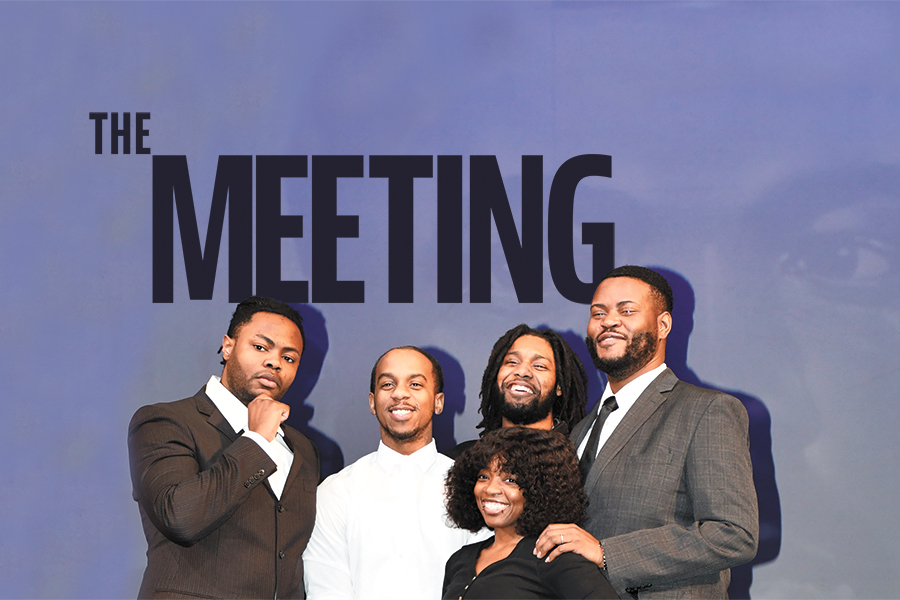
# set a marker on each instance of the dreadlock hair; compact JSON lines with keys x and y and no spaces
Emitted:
{"x":570,"y":377}
{"x":658,"y":284}
{"x":244,"y":311}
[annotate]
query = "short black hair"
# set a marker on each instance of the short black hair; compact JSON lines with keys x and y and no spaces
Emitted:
{"x":436,"y":370}
{"x":545,"y":467}
{"x":244,"y":311}
{"x":661,"y":288}
{"x":571,"y":378}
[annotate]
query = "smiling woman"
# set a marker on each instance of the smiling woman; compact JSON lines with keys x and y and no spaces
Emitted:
{"x":517,"y":481}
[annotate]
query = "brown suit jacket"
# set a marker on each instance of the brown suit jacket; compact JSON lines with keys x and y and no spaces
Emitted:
{"x":213,"y":528}
{"x":671,"y":492}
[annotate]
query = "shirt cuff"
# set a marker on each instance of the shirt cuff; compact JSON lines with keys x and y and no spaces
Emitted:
{"x":265,"y":444}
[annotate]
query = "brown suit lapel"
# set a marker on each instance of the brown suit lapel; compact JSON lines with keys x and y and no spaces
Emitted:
{"x":295,"y":464}
{"x":646,"y":404}
{"x":214,"y":416}
{"x":217,"y":419}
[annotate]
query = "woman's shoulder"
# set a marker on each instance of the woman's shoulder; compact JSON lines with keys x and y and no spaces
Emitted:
{"x":470,"y":550}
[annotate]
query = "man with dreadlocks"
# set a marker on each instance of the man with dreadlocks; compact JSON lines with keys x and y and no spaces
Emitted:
{"x":533,"y":379}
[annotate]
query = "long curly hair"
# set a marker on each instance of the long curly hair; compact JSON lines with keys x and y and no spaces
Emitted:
{"x":570,"y":377}
{"x":545,"y":467}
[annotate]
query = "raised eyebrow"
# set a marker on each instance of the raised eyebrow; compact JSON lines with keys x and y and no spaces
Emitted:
{"x":265,"y":339}
{"x":271,"y":342}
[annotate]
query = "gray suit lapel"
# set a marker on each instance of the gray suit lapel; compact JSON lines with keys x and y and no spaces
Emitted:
{"x":580,"y":431}
{"x":647,"y":403}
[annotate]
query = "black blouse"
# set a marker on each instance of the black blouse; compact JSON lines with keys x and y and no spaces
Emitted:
{"x":523,"y":575}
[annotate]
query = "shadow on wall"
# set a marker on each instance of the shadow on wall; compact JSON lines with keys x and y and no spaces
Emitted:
{"x":596,"y":379}
{"x":760,"y":435}
{"x":316,"y":336}
{"x":454,"y":399}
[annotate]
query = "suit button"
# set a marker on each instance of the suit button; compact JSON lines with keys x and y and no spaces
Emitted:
{"x":261,"y":472}
{"x":246,"y":484}
{"x":280,"y":508}
{"x":281,"y":554}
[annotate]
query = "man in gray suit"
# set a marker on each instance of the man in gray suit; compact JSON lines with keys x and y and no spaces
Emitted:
{"x":666,"y":464}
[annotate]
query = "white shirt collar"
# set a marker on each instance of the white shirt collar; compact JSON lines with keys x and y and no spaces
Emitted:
{"x":422,"y":458}
{"x":625,"y":399}
{"x":631,"y":391}
{"x":234,"y":411}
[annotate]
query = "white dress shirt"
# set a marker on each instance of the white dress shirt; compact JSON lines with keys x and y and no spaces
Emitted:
{"x":625,"y":399}
{"x":381,"y":529}
{"x":235,"y":412}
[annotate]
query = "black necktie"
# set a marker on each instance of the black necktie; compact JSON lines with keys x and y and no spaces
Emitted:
{"x":590,"y":451}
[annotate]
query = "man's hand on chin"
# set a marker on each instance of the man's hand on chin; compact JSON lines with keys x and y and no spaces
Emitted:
{"x":265,"y":415}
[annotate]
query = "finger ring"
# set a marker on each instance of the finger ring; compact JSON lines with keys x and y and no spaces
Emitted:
{"x":561,"y":539}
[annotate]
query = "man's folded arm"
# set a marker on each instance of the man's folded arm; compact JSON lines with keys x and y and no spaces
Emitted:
{"x":184,"y":502}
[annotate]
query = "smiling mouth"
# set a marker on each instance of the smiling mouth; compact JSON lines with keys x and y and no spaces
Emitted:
{"x":518,"y":390}
{"x":493,"y":507}
{"x":401,"y":412}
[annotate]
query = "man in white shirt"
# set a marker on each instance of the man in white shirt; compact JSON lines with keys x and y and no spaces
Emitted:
{"x":226,"y":492}
{"x":381,"y":528}
{"x":667,"y":464}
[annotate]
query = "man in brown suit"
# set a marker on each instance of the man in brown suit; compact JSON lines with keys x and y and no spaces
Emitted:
{"x":226,"y":492}
{"x":667,"y":464}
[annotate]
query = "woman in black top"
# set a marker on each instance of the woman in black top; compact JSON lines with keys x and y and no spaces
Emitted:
{"x":517,"y":481}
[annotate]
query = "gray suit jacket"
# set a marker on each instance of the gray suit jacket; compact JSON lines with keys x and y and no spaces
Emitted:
{"x":213,"y":528}
{"x":671,"y":492}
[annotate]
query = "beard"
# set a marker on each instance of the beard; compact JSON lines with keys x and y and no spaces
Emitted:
{"x":638,"y":352}
{"x":526,"y":414}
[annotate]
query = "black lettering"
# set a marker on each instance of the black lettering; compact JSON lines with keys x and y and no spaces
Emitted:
{"x":400,"y":172}
{"x":488,"y":196}
{"x":141,"y":132}
{"x":450,"y":229}
{"x":98,"y":118}
{"x":234,"y":183}
{"x":272,"y":226}
{"x":560,"y":242}
{"x":116,"y":133}
{"x":328,"y":226}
